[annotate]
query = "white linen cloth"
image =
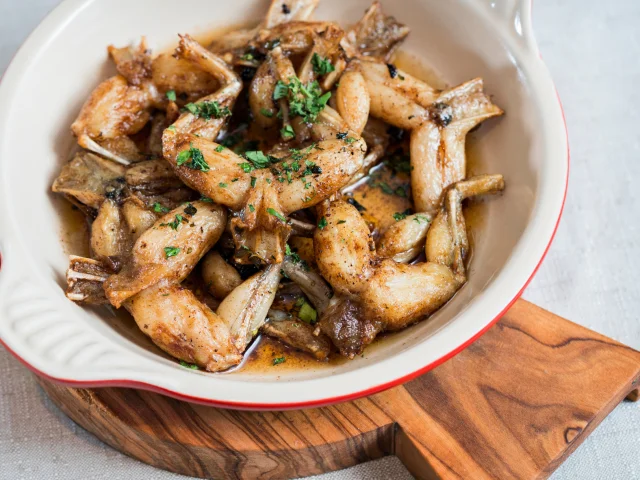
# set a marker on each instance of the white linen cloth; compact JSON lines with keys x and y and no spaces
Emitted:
{"x":592,"y":48}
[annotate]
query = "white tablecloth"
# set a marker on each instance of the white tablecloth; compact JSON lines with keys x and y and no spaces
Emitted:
{"x":592,"y":48}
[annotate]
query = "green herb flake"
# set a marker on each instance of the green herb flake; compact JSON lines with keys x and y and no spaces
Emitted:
{"x":205,"y":199}
{"x":171,"y":95}
{"x":207,"y":110}
{"x":159,"y":208}
{"x":252,"y":208}
{"x":222,"y":185}
{"x":279,"y":360}
{"x":220,"y":148}
{"x":399,"y":216}
{"x":322,"y":223}
{"x":340,"y":222}
{"x":171,"y":128}
{"x":266,"y":113}
{"x":171,"y":251}
{"x":287,"y":132}
{"x":421,"y":218}
{"x":192,"y":159}
{"x":188,"y":365}
{"x":276,"y":214}
{"x":253,"y":182}
{"x":321,"y":65}
{"x":306,"y":101}
{"x":175,"y":224}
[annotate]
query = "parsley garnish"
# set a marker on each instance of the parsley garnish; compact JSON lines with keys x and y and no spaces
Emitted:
{"x":401,"y":215}
{"x":276,"y":214}
{"x":188,"y":365}
{"x":287,"y":132}
{"x":278,"y":360}
{"x":253,"y":182}
{"x":307,"y":313}
{"x":252,"y":208}
{"x":340,"y":222}
{"x":266,"y":113}
{"x":322,"y":223}
{"x":421,"y":218}
{"x":220,"y":148}
{"x":171,"y":251}
{"x":306,"y":101}
{"x":321,"y":66}
{"x":159,"y":208}
{"x":175,"y":224}
{"x":222,"y":185}
{"x":207,"y":110}
{"x":171,"y":95}
{"x":194,"y":158}
{"x":205,"y":199}
{"x":257,"y":160}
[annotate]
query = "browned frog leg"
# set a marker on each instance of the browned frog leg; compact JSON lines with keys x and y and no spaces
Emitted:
{"x":85,"y":278}
{"x":447,"y":241}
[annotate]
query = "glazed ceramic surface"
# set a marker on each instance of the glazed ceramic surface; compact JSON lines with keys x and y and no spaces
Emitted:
{"x":65,"y":58}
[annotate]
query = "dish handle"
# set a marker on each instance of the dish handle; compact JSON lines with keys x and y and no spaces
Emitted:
{"x":515,"y":17}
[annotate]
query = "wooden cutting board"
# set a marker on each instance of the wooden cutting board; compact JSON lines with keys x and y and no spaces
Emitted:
{"x":514,"y":404}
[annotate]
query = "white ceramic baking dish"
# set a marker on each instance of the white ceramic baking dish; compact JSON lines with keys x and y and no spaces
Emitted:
{"x":64,"y":59}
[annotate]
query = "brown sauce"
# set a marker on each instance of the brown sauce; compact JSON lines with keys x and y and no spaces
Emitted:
{"x":268,"y":355}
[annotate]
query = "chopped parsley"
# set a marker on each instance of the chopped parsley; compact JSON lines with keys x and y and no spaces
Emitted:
{"x":257,"y":160}
{"x":220,"y":148}
{"x":171,"y":95}
{"x":306,"y":101}
{"x":247,"y":56}
{"x":253,"y":182}
{"x":401,"y":215}
{"x":171,"y":251}
{"x":188,"y":365}
{"x":190,"y":210}
{"x":321,"y":65}
{"x":279,"y":360}
{"x":205,"y":199}
{"x":287,"y":132}
{"x":252,"y":208}
{"x":266,"y":113}
{"x":159,"y":208}
{"x":222,"y":185}
{"x":192,"y":159}
{"x":276,"y":214}
{"x":421,"y":218}
{"x":175,"y":224}
{"x":340,"y":222}
{"x":207,"y":110}
{"x":322,"y":223}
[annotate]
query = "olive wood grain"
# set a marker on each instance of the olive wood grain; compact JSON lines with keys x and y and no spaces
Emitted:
{"x":514,"y":404}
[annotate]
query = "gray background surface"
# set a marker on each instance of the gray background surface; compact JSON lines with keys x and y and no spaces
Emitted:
{"x":590,"y":274}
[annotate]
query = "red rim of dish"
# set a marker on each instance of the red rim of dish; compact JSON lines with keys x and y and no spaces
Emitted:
{"x":325,"y":401}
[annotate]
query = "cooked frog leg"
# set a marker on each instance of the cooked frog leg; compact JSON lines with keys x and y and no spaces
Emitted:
{"x":110,"y":237}
{"x":375,"y":35}
{"x":285,"y":11}
{"x":298,"y":335}
{"x":438,"y":157}
{"x":384,"y":294}
{"x":245,"y":309}
{"x":168,"y":250}
{"x":89,"y":178}
{"x":184,"y":327}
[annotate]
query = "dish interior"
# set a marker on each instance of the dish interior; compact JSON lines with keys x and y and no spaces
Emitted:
{"x":67,"y":67}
